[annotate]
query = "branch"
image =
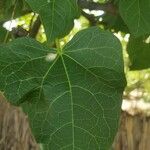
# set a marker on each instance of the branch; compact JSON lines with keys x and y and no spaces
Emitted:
{"x":108,"y":7}
{"x":92,"y":19}
{"x":35,"y":28}
{"x":19,"y":32}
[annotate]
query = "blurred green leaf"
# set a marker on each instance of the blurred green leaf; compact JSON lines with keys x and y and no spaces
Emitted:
{"x":3,"y":33}
{"x":115,"y":22}
{"x":136,"y":14}
{"x":7,"y":9}
{"x":139,"y":53}
{"x":57,"y":16}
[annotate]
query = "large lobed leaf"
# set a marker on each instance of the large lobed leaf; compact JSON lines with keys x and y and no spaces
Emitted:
{"x":136,"y":14}
{"x":57,"y":16}
{"x":73,"y":100}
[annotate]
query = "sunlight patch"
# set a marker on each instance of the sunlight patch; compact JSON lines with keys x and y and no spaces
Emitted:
{"x":50,"y":57}
{"x":10,"y":24}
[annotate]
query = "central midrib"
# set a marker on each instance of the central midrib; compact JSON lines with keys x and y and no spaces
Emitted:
{"x":72,"y":111}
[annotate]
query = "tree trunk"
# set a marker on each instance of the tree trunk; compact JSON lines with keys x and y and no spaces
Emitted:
{"x":15,"y":133}
{"x":134,"y":133}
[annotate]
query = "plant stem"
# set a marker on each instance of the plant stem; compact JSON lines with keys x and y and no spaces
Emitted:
{"x":59,"y":50}
{"x":12,"y":16}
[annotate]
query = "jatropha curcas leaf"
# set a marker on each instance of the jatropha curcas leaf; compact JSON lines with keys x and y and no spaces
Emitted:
{"x":57,"y":16}
{"x":136,"y":15}
{"x":139,"y":53}
{"x":72,"y":96}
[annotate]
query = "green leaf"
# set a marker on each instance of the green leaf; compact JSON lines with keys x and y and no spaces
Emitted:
{"x":136,"y":15}
{"x":7,"y":8}
{"x":139,"y":53}
{"x":57,"y":16}
{"x":115,"y":22}
{"x":3,"y":33}
{"x":73,"y":100}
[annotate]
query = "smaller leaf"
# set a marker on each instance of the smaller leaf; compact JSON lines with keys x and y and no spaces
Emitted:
{"x":139,"y":53}
{"x":136,"y":15}
{"x":57,"y":16}
{"x":115,"y":22}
